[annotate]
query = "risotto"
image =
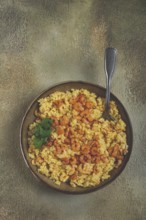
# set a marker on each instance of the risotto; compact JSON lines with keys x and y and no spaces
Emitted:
{"x":83,"y":147}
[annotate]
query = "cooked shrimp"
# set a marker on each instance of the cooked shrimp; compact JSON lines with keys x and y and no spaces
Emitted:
{"x":95,"y":144}
{"x":67,"y":141}
{"x":55,"y":121}
{"x":73,"y":177}
{"x":58,"y":103}
{"x":95,"y":170}
{"x":78,"y":107}
{"x":98,"y":159}
{"x":72,"y":100}
{"x":82,"y":99}
{"x":65,"y":160}
{"x":90,"y":118}
{"x":84,"y":120}
{"x":81,"y":132}
{"x":50,"y":143}
{"x":55,"y":143}
{"x":103,"y":158}
{"x":94,"y":151}
{"x":73,"y":160}
{"x":85,"y":149}
{"x":89,"y":104}
{"x":60,"y":130}
{"x":88,"y":158}
{"x":64,"y":120}
{"x":39,"y":160}
{"x":120,"y":157}
{"x":76,"y":147}
{"x":58,"y":150}
{"x":96,"y":138}
{"x":93,"y":159}
{"x":64,"y":147}
{"x":85,"y":158}
{"x":110,"y":150}
{"x":78,"y":117}
{"x":84,"y":113}
{"x":85,"y":168}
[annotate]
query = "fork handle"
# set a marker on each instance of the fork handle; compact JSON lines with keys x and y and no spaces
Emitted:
{"x":109,"y":64}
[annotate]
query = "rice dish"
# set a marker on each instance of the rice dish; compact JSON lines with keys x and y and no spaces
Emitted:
{"x":83,"y":147}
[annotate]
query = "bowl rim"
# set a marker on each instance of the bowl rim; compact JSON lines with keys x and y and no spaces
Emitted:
{"x":90,"y":189}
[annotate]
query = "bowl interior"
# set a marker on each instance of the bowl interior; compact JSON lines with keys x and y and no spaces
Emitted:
{"x":29,"y":118}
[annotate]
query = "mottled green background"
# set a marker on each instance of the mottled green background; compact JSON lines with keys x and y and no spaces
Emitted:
{"x":43,"y":42}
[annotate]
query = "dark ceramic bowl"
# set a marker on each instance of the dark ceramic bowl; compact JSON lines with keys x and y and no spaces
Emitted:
{"x":29,"y":118}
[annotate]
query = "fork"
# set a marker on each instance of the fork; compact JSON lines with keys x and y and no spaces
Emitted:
{"x":109,"y":65}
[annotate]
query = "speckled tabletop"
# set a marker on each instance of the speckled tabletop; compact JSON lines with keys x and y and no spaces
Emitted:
{"x":43,"y":42}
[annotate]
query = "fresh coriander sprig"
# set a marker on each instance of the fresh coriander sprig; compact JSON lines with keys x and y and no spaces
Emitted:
{"x":42,"y":132}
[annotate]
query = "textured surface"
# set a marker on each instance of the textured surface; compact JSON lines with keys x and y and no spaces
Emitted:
{"x":43,"y":42}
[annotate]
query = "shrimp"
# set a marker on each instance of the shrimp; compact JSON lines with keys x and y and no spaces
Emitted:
{"x":103,"y":159}
{"x":88,"y":158}
{"x":81,"y":132}
{"x":82,"y":99}
{"x":89,"y":104}
{"x":58,"y":103}
{"x":68,"y":132}
{"x":78,"y":117}
{"x":98,"y":159}
{"x":39,"y":160}
{"x":84,"y":120}
{"x":84,"y":113}
{"x":94,"y":151}
{"x":90,"y":119}
{"x":67,"y":141}
{"x":55,"y":121}
{"x":58,"y":150}
{"x":72,"y":141}
{"x":120,"y":157}
{"x":115,"y":151}
{"x":96,"y":138}
{"x":76,"y":147}
{"x":55,"y":143}
{"x":116,"y":147}
{"x":85,"y":149}
{"x":64,"y":120}
{"x":78,"y":107}
{"x":85,"y":158}
{"x":82,"y":159}
{"x":85,"y":168}
{"x":64,"y":147}
{"x":60,"y":130}
{"x":93,"y":159}
{"x":95,"y":144}
{"x":73,"y":160}
{"x":65,"y":160}
{"x":95,"y":170}
{"x":50,"y":143}
{"x":72,"y":100}
{"x":71,"y":130}
{"x":73,"y":177}
{"x":110,"y":150}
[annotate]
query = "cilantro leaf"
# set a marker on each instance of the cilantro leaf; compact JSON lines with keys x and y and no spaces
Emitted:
{"x":42,"y":132}
{"x":45,"y":133}
{"x":46,"y":123}
{"x":38,"y":142}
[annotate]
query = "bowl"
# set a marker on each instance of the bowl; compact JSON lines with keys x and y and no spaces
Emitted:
{"x":29,"y":118}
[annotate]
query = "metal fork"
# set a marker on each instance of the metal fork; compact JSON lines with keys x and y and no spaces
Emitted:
{"x":109,"y":65}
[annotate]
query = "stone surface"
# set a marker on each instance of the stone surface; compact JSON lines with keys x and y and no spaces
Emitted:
{"x":43,"y":42}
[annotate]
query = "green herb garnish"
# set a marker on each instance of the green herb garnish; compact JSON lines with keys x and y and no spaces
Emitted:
{"x":42,"y":132}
